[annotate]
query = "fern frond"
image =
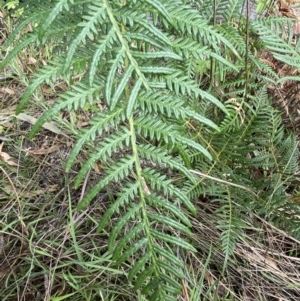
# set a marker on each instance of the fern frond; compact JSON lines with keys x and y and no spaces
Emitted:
{"x":25,"y":42}
{"x":101,"y":47}
{"x":126,"y":195}
{"x":171,"y":106}
{"x":159,"y":182}
{"x":71,"y":99}
{"x":174,"y":97}
{"x":97,"y":13}
{"x":278,"y":39}
{"x":56,"y":10}
{"x":116,"y":173}
{"x":109,"y":145}
{"x":161,"y":156}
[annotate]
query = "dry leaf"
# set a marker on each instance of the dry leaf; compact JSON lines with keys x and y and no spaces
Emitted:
{"x":83,"y":124}
{"x":43,"y":151}
{"x":209,"y":277}
{"x":29,"y":28}
{"x":8,"y":125}
{"x":7,"y":159}
{"x":29,"y":194}
{"x":260,"y":259}
{"x":31,"y":60}
{"x":296,"y":28}
{"x":283,"y":6}
{"x":6,"y":114}
{"x":271,"y":263}
{"x":97,"y":168}
{"x":146,"y":189}
{"x":8,"y":91}
{"x":47,"y":125}
{"x":2,"y":138}
{"x":9,"y":110}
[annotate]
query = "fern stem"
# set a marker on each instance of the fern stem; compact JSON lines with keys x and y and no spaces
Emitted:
{"x":142,"y":184}
{"x":124,"y":44}
{"x":212,"y":61}
{"x":227,"y":242}
{"x":139,"y":176}
{"x":247,"y":49}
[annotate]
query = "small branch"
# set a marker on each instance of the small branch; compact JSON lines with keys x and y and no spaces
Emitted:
{"x":223,"y":181}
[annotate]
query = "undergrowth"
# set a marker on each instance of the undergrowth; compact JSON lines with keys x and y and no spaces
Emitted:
{"x":173,"y":126}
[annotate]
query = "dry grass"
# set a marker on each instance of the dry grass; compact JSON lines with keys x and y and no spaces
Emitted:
{"x":265,"y":265}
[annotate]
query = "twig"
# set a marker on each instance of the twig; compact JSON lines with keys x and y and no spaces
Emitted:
{"x":223,"y":181}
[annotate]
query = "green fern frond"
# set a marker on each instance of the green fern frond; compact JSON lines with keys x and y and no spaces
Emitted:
{"x":117,"y":172}
{"x":125,"y":196}
{"x":277,"y":35}
{"x":23,"y":43}
{"x":56,"y":10}
{"x":97,"y":13}
{"x":110,"y":144}
{"x":101,"y":47}
{"x":176,"y":94}
{"x":71,"y":100}
{"x":161,"y":156}
{"x":101,"y":122}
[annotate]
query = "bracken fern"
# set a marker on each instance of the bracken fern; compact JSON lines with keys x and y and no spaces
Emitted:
{"x":178,"y":97}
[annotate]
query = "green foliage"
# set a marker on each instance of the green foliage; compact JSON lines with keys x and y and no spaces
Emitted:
{"x":9,"y":4}
{"x":177,"y":93}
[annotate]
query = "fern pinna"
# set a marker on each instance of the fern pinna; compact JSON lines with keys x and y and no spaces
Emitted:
{"x":147,"y":63}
